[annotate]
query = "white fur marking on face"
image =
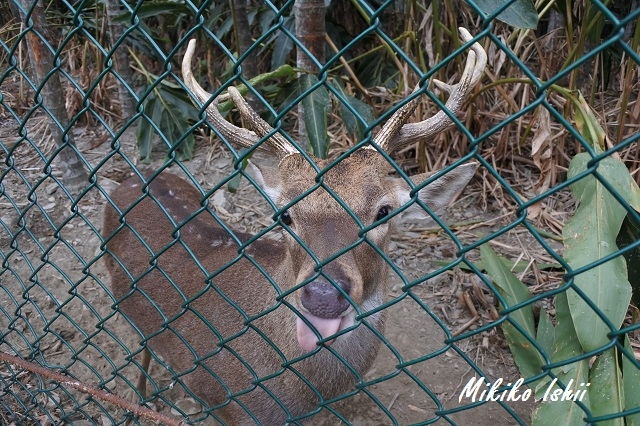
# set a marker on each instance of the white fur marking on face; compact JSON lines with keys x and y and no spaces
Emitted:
{"x":272,"y":192}
{"x":171,"y":193}
{"x":374,"y":319}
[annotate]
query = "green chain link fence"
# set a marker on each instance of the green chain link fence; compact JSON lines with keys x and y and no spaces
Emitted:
{"x":57,"y":309}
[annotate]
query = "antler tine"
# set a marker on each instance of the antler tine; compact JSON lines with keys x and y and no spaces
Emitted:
{"x":276,"y":144}
{"x":399,"y":134}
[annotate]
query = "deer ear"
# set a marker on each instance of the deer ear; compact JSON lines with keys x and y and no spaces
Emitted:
{"x":438,"y":193}
{"x":268,"y":178}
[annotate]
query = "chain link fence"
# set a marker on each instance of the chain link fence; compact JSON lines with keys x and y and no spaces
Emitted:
{"x":92,"y":93}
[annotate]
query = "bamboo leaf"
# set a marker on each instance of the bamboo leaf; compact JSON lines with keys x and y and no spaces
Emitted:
{"x":145,"y":132}
{"x":520,"y":14}
{"x":316,"y":105}
{"x":589,"y":236}
{"x":356,"y":124}
{"x":283,"y":44}
{"x":155,"y":8}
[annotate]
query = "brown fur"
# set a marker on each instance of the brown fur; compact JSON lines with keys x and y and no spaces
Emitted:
{"x":204,"y":323}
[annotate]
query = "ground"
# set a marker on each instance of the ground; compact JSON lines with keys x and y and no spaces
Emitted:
{"x":55,"y":299}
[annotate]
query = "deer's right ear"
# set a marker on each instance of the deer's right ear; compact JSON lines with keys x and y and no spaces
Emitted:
{"x":268,"y":178}
{"x":438,"y":193}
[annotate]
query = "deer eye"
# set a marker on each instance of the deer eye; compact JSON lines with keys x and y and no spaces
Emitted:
{"x":383,"y":212}
{"x":285,"y":217}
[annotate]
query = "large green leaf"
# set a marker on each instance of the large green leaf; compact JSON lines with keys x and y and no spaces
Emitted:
{"x":631,"y":382}
{"x":566,"y":346}
{"x":526,"y":356}
{"x":521,"y":13}
{"x":606,"y":392}
{"x":589,"y":236}
{"x":316,"y":107}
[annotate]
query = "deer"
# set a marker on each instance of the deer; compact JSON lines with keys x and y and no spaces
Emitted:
{"x":266,"y":331}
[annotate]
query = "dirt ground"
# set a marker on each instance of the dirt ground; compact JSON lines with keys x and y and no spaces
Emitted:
{"x":55,"y":305}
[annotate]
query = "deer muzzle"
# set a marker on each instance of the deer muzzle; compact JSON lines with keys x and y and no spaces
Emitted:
{"x":324,"y":307}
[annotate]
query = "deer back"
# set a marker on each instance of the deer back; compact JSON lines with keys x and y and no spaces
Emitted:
{"x":183,"y":284}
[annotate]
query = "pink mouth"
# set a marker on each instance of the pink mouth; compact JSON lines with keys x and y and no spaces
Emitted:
{"x":307,"y":339}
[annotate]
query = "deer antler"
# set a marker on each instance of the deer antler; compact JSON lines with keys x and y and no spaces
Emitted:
{"x":395,"y":134}
{"x":276,"y":143}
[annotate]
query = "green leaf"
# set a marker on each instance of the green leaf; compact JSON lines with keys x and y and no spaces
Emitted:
{"x":589,"y":236}
{"x":234,"y":183}
{"x":316,"y":106}
{"x":566,"y":346}
{"x":283,"y":71}
{"x":630,"y":233}
{"x":606,"y":393}
{"x":283,"y":44}
{"x":631,"y":379}
{"x":173,"y":126}
{"x":224,"y":28}
{"x":588,"y":125}
{"x":154,"y":8}
{"x":546,"y":332}
{"x":521,"y":13}
{"x":526,"y":356}
{"x":266,"y":19}
{"x":169,"y":109}
{"x":145,"y":132}
{"x":356,"y":124}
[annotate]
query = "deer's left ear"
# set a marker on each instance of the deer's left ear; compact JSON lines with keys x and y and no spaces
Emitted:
{"x":268,"y":178}
{"x":437,"y":194}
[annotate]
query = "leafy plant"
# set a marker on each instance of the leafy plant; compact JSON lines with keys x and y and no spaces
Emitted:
{"x":167,"y":111}
{"x":589,"y":236}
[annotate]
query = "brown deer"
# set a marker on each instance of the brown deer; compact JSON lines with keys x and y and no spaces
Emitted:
{"x":260,"y":330}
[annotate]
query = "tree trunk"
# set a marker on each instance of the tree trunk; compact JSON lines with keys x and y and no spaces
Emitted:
{"x":52,"y":95}
{"x":310,"y":31}
{"x":244,"y":42}
{"x":243,"y":36}
{"x":121,"y":65}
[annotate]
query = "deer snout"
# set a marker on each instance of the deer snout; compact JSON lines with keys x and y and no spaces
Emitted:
{"x":324,"y":306}
{"x":323,"y":300}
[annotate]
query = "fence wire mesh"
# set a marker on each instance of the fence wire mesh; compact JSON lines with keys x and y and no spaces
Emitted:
{"x":76,"y":123}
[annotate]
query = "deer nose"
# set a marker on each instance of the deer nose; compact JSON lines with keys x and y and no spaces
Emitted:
{"x":323,"y":300}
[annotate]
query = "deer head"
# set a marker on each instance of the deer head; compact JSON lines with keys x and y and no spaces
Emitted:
{"x":332,"y":285}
